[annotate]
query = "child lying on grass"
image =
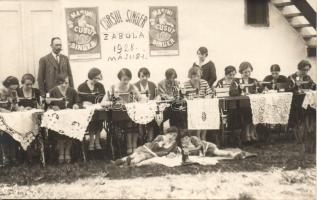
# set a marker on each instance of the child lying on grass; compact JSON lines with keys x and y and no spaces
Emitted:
{"x":165,"y":144}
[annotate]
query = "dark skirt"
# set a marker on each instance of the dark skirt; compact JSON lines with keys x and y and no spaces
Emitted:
{"x":95,"y":126}
{"x":177,"y":118}
{"x":297,"y":113}
{"x":5,"y":138}
{"x":54,"y":136}
{"x":246,"y":116}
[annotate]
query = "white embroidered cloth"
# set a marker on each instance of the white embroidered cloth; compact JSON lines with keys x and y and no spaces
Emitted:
{"x":271,"y":108}
{"x":143,"y":113}
{"x":22,"y":126}
{"x":69,"y":122}
{"x":310,"y":99}
{"x":203,"y":114}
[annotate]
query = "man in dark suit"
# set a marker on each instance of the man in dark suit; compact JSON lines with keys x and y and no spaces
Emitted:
{"x":51,"y":65}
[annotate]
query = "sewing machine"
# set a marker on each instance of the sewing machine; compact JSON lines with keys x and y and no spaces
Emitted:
{"x":245,"y":87}
{"x":10,"y":103}
{"x":191,"y":94}
{"x":300,"y":83}
{"x":145,"y":95}
{"x":6,"y":105}
{"x":121,"y":98}
{"x":276,"y":87}
{"x":223,"y":92}
{"x":177,"y":93}
{"x":47,"y":100}
{"x":28,"y":101}
{"x":96,"y":95}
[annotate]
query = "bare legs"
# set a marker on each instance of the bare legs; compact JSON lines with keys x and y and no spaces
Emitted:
{"x":219,"y":152}
{"x":63,"y":147}
{"x":250,"y":132}
{"x":132,"y":139}
{"x":94,"y":141}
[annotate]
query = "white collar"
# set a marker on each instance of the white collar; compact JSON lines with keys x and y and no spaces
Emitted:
{"x":54,"y":54}
{"x":143,"y":89}
{"x":205,"y":61}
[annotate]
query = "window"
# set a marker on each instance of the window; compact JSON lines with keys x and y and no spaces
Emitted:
{"x":257,"y":12}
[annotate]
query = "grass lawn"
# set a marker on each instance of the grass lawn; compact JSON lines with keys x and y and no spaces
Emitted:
{"x":281,"y":171}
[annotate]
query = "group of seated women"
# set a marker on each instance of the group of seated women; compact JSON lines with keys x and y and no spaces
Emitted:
{"x":92,"y":91}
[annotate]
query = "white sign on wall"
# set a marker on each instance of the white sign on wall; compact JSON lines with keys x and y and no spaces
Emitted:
{"x":83,"y":33}
{"x":124,"y":35}
{"x":163,"y":31}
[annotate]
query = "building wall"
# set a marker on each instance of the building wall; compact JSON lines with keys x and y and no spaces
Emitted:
{"x":217,"y":24}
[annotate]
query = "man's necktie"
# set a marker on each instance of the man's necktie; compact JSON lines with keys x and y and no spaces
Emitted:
{"x":57,"y":58}
{"x":58,"y":63}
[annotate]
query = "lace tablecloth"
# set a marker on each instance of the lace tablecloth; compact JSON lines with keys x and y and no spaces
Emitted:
{"x":272,"y":108}
{"x":203,"y":114}
{"x":310,"y":99}
{"x":22,"y":126}
{"x":144,"y":113}
{"x":69,"y":122}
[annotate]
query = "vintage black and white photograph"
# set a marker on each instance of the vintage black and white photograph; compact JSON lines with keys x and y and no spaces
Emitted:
{"x":158,"y":99}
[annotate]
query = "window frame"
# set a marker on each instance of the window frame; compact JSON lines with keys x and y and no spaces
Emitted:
{"x":246,"y":22}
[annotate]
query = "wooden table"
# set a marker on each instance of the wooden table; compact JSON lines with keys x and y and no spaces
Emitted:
{"x":229,"y":107}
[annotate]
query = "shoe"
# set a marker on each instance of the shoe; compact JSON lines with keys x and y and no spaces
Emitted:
{"x":67,"y":159}
{"x":61,"y":159}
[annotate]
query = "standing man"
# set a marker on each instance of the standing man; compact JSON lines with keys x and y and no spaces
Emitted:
{"x":52,"y":65}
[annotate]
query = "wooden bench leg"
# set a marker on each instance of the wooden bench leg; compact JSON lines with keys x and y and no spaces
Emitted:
{"x":3,"y":155}
{"x":108,"y":127}
{"x":83,"y":150}
{"x":42,"y":149}
{"x":110,"y":132}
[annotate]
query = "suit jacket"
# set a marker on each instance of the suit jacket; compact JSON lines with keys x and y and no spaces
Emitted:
{"x":49,"y":69}
{"x":152,"y":88}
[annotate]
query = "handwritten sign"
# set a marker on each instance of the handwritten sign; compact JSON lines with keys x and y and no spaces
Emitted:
{"x":124,"y":35}
{"x":163,"y":31}
{"x":83,"y":33}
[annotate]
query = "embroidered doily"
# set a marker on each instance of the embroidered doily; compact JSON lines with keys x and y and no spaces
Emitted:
{"x":271,"y":108}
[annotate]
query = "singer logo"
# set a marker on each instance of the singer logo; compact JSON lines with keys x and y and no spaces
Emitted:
{"x":83,"y":33}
